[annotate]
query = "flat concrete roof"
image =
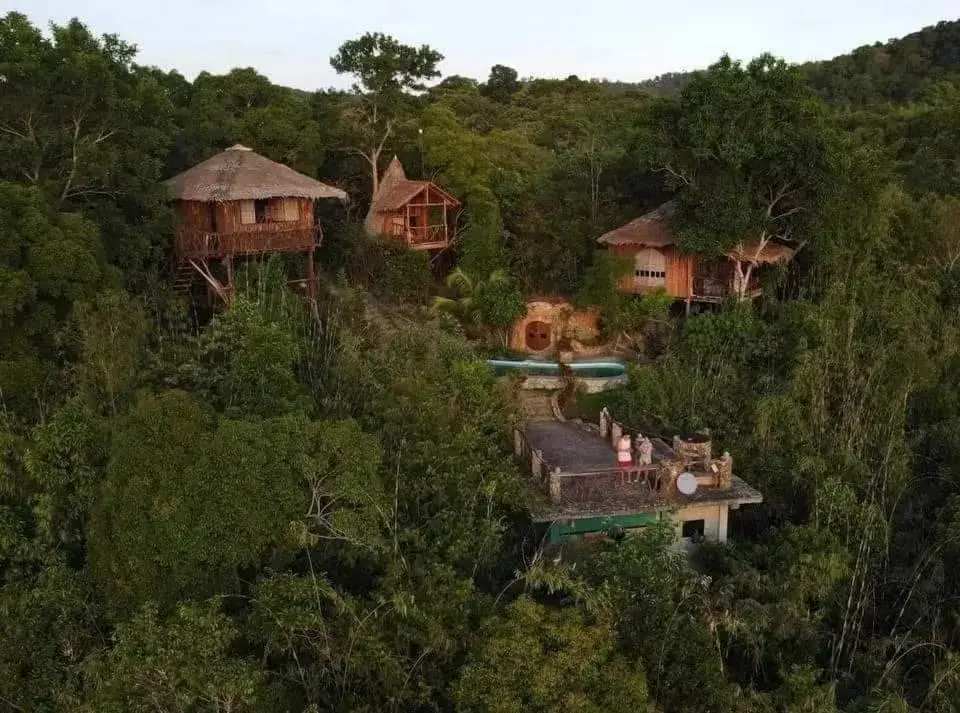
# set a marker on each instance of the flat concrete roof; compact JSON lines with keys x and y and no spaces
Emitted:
{"x":570,"y":446}
{"x":576,"y":448}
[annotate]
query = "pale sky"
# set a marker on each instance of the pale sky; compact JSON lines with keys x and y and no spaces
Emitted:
{"x":291,"y":41}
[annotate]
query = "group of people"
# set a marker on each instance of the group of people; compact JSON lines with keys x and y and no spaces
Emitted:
{"x":625,"y":451}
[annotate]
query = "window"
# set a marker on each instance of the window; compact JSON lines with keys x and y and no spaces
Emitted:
{"x":693,"y":529}
{"x":290,"y":209}
{"x":247,"y":213}
{"x":649,"y":268}
{"x":260,"y":210}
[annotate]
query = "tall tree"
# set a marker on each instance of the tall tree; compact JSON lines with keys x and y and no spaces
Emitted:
{"x":502,"y":83}
{"x":384,"y":70}
{"x":751,"y":149}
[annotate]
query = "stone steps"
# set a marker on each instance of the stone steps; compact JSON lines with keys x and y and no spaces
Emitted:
{"x":536,"y":406}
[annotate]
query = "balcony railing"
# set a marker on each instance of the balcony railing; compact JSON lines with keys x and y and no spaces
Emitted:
{"x":422,"y":235}
{"x":264,"y":238}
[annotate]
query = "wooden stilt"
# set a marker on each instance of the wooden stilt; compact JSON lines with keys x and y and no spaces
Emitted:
{"x":228,"y":262}
{"x":688,"y":306}
{"x":311,"y":278}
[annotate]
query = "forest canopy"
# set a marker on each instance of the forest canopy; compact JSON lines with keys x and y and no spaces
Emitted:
{"x":276,"y":506}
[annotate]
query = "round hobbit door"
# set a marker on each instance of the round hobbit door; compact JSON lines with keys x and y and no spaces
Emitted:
{"x":538,"y":336}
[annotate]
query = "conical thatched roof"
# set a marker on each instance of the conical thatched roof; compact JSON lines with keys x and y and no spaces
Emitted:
{"x":242,"y":174}
{"x":395,"y":188}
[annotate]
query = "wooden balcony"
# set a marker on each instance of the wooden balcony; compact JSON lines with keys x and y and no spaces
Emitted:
{"x":261,"y":239}
{"x":427,"y":237}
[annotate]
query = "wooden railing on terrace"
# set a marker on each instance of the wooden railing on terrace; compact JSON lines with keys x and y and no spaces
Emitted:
{"x":264,"y":238}
{"x":709,"y":289}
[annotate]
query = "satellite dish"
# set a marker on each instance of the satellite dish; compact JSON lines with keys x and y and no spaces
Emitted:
{"x":687,"y":483}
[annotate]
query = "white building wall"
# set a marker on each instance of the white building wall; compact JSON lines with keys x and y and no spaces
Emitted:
{"x":715,"y":519}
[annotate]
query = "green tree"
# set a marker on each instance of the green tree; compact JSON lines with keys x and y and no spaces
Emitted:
{"x":186,"y":501}
{"x":384,"y":70}
{"x":536,"y":658}
{"x":89,"y":129}
{"x":493,"y":304}
{"x":112,"y":330}
{"x":52,"y":623}
{"x":191,"y":666}
{"x":48,"y":262}
{"x":751,"y":148}
{"x":502,"y":84}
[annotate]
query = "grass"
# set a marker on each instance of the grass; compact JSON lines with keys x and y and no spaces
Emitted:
{"x":587,"y":407}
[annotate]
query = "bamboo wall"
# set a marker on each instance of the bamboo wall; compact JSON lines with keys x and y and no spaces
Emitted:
{"x":217,"y":229}
{"x":678,"y":281}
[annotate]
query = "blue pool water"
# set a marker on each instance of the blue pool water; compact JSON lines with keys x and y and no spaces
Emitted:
{"x":587,"y":369}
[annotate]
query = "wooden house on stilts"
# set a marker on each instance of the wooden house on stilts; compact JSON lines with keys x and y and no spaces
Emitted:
{"x":650,"y":244}
{"x":239,"y":204}
{"x":418,"y":213}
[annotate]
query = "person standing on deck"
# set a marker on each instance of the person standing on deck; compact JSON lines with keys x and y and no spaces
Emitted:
{"x":645,"y":450}
{"x":624,"y":452}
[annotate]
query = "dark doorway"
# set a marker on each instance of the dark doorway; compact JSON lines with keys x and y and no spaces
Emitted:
{"x":212,"y":216}
{"x":538,"y":336}
{"x":260,"y":210}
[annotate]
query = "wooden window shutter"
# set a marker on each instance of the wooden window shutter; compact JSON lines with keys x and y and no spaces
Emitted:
{"x":248,"y":215}
{"x":291,"y":209}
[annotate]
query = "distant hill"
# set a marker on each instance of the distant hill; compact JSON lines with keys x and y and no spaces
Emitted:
{"x":897,"y":71}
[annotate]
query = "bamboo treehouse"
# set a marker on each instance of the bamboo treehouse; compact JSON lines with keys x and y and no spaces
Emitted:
{"x":239,"y":204}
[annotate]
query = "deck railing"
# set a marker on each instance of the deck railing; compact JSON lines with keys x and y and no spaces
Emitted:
{"x":421,"y":235}
{"x":264,"y":238}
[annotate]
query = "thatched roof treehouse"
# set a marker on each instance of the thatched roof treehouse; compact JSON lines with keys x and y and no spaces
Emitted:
{"x":418,"y":213}
{"x":241,"y":204}
{"x":650,"y":243}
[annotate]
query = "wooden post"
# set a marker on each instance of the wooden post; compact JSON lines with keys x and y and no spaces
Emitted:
{"x":311,"y":278}
{"x":555,"y":489}
{"x":446,"y":235}
{"x":228,"y":261}
{"x":406,"y":225}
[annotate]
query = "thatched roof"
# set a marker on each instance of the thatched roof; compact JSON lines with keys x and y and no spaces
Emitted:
{"x":771,"y":253}
{"x":242,"y":174}
{"x":653,"y":229}
{"x":395,"y":188}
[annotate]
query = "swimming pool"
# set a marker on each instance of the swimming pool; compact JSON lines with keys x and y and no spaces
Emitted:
{"x":584,"y":370}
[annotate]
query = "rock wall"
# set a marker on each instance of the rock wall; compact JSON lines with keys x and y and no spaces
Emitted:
{"x":561,"y":317}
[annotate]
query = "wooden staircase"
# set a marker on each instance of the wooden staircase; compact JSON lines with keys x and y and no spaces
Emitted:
{"x":183,"y":278}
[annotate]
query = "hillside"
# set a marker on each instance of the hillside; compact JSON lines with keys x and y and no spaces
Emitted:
{"x":895,"y":71}
{"x":305,"y":489}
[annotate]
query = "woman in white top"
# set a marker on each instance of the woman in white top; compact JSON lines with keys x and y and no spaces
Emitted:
{"x":624,"y":452}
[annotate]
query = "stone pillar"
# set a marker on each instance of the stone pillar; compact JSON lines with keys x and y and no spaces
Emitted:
{"x":517,"y":443}
{"x":555,"y":485}
{"x":725,"y":474}
{"x":695,"y":450}
{"x":616,"y":430}
{"x":670,"y":470}
{"x":536,"y":463}
{"x":722,"y":523}
{"x":604,"y":423}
